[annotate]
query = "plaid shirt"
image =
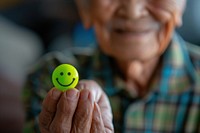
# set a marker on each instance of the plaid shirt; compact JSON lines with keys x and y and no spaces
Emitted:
{"x":172,"y":104}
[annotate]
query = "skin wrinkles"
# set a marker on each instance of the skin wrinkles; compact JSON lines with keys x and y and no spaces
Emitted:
{"x":126,"y":22}
{"x":164,"y":11}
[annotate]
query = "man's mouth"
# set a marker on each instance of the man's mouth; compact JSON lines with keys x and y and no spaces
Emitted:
{"x":121,"y":26}
{"x":128,"y":31}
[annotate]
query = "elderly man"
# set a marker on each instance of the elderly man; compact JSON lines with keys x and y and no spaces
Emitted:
{"x":142,"y":78}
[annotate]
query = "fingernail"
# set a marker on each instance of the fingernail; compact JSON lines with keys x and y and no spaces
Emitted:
{"x":84,"y":94}
{"x":56,"y":94}
{"x":80,"y":86}
{"x":72,"y":93}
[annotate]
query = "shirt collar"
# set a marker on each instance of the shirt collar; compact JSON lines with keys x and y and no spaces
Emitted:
{"x":177,"y":72}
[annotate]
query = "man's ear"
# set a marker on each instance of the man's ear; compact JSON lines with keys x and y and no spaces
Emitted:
{"x":179,"y":14}
{"x":178,"y":19}
{"x":83,"y":9}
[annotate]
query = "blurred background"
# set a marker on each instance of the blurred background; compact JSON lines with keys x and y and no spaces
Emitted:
{"x":28,"y":30}
{"x":31,"y":28}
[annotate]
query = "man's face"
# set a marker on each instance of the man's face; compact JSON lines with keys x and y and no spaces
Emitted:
{"x":134,"y":29}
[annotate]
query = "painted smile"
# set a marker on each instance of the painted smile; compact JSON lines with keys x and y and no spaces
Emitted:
{"x":63,"y":84}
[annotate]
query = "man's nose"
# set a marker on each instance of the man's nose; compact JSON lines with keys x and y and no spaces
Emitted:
{"x":132,"y":8}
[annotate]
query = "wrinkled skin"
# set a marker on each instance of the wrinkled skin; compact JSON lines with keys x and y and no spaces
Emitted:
{"x":133,"y":32}
{"x":132,"y":29}
{"x":76,"y":111}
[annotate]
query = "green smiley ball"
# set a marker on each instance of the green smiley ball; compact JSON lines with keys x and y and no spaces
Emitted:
{"x":65,"y":77}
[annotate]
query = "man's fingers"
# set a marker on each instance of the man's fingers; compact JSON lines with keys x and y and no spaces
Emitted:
{"x":65,"y":110}
{"x":48,"y":109}
{"x":83,"y":116}
{"x":94,"y":88}
{"x":102,"y":100}
{"x":106,"y":114}
{"x":97,"y":122}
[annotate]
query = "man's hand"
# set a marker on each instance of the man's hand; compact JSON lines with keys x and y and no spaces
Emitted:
{"x":86,"y":110}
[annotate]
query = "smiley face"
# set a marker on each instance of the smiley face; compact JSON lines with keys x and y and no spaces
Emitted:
{"x":65,"y":77}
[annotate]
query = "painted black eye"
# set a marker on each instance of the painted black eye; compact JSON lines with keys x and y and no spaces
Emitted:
{"x":61,"y":73}
{"x":69,"y":73}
